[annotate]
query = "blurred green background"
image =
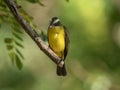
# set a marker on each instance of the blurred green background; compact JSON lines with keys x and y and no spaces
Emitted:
{"x":93,"y":61}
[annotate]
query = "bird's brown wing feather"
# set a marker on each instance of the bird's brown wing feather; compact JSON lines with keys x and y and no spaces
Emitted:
{"x":67,"y":41}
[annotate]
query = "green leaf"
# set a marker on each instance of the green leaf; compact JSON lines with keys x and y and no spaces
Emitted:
{"x":8,"y":40}
{"x":18,"y":37}
{"x":67,"y":0}
{"x":43,"y":36}
{"x":12,"y":56}
{"x":19,"y":53}
{"x":2,"y":4}
{"x":19,"y":44}
{"x":17,"y":28}
{"x":18,"y":62}
{"x":36,"y":1}
{"x":9,"y":47}
{"x":26,"y":16}
{"x":33,"y":1}
{"x":18,"y":31}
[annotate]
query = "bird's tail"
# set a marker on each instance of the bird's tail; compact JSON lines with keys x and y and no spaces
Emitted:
{"x":61,"y":71}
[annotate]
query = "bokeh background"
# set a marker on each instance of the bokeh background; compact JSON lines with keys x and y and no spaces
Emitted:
{"x":93,"y":61}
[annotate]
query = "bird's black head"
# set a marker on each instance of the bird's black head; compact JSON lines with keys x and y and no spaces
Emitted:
{"x":55,"y":22}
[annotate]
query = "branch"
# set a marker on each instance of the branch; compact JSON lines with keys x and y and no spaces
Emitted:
{"x":32,"y":33}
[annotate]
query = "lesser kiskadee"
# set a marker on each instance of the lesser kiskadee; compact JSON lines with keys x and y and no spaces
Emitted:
{"x":58,"y":40}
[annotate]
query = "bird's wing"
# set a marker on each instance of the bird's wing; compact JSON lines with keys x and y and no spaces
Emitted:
{"x":67,"y":41}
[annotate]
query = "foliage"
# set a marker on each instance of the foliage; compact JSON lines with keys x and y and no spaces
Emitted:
{"x":13,"y":43}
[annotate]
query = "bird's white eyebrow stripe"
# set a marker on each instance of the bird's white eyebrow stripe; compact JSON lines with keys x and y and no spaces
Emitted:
{"x":57,"y":20}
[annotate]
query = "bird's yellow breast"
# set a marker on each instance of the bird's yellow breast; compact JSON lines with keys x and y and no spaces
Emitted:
{"x":56,"y":38}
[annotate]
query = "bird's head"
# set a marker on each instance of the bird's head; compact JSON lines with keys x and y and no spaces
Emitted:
{"x":55,"y":22}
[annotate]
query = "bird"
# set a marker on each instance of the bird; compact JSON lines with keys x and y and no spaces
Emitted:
{"x":58,"y":39}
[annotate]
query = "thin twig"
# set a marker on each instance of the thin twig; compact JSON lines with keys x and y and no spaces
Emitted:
{"x":34,"y":35}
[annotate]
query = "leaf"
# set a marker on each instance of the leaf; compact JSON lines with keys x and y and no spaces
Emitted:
{"x":19,"y":53}
{"x":18,"y":62}
{"x":17,"y":28}
{"x":25,"y":15}
{"x":36,"y":1}
{"x":9,"y":47}
{"x":43,"y":36}
{"x":40,"y":3}
{"x":8,"y":40}
{"x":12,"y":56}
{"x":2,"y":4}
{"x":18,"y":31}
{"x":18,"y":37}
{"x":19,"y":44}
{"x":67,"y":0}
{"x":33,"y":1}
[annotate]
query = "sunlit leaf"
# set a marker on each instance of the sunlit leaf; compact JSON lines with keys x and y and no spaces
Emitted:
{"x":18,"y":62}
{"x":18,"y":37}
{"x":19,"y":53}
{"x":8,"y":40}
{"x":19,"y":44}
{"x":12,"y":56}
{"x":9,"y":47}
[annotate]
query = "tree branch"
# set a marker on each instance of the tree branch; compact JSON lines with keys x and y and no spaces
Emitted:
{"x":32,"y":33}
